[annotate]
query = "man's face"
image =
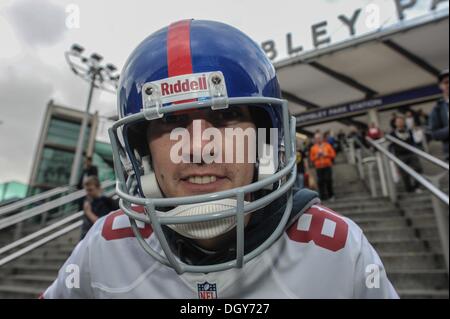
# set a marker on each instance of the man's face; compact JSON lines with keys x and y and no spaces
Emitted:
{"x":88,"y":163}
{"x":92,"y":191}
{"x":185,"y":179}
{"x":400,"y":123}
{"x":318,"y":138}
{"x":444,"y":86}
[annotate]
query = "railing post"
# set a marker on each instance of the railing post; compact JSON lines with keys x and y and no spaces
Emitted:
{"x":359,"y":163}
{"x":18,"y":231}
{"x":373,"y":187}
{"x":390,"y":180}
{"x":44,"y":219}
{"x":351,"y":143}
{"x":370,"y":162}
{"x":381,"y":173}
{"x":442,"y":219}
{"x":346,"y":150}
{"x":392,"y":190}
{"x":426,"y":148}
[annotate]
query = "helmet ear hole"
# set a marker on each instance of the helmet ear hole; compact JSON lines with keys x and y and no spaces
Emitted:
{"x":149,"y":183}
{"x":137,"y":133}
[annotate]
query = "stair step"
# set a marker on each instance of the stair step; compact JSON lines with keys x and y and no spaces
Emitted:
{"x":412,"y":260}
{"x":363,"y":197}
{"x":28,"y":280}
{"x":43,"y":255}
{"x":356,"y":215}
{"x":423,"y":220}
{"x":14,"y":291}
{"x":367,"y":223}
{"x":390,"y":233}
{"x":61,"y":245}
{"x":418,"y":211}
{"x":436,"y":279}
{"x":398,"y":246}
{"x":427,"y":232}
{"x":32,"y":260}
{"x":357,"y":205}
{"x":370,"y":210}
{"x":414,"y":197}
{"x":45,"y":269}
{"x":423,"y":294}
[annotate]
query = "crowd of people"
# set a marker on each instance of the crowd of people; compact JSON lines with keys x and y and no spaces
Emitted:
{"x":413,"y":127}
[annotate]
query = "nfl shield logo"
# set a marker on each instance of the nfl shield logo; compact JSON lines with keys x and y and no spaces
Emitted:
{"x":207,"y":291}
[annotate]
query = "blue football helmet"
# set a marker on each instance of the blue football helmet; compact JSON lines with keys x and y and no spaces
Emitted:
{"x":200,"y":65}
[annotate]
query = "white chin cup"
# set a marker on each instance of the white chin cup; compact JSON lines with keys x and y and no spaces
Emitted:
{"x":204,"y":230}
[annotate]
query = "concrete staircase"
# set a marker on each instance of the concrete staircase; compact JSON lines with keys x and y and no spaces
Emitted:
{"x":31,"y":274}
{"x":405,"y":235}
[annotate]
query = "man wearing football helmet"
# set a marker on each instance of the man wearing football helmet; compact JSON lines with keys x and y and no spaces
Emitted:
{"x":204,"y":153}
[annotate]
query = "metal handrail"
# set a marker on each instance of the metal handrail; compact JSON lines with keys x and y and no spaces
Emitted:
{"x":41,"y":232}
{"x":419,"y":152}
{"x":422,"y":180}
{"x":33,"y":199}
{"x":38,"y":210}
{"x":440,"y":200}
{"x":362,"y":146}
{"x":371,"y":159}
{"x":40,"y":243}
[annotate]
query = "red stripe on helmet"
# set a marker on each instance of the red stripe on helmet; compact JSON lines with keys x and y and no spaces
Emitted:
{"x":179,"y":59}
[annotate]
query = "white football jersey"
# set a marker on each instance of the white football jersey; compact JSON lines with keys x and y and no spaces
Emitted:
{"x":320,"y":255}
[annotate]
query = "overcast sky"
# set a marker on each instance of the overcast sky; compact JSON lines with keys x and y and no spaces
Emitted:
{"x":34,"y":35}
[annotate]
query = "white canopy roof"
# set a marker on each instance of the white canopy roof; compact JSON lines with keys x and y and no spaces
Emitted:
{"x":403,"y":57}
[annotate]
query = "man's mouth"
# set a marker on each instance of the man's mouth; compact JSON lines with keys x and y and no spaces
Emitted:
{"x":202,"y":179}
{"x":203,"y":183}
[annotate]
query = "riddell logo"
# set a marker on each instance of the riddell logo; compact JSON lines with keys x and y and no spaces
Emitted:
{"x":184,"y":86}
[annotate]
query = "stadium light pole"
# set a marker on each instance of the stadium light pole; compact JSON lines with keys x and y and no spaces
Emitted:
{"x":99,"y":76}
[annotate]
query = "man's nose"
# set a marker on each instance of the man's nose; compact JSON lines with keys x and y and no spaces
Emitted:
{"x":196,"y":129}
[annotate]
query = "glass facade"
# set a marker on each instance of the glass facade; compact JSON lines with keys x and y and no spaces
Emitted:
{"x":63,"y":132}
{"x":12,"y":190}
{"x":57,"y":150}
{"x":58,"y":154}
{"x":55,"y":167}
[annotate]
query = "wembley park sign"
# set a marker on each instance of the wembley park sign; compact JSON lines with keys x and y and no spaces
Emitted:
{"x":319,"y":31}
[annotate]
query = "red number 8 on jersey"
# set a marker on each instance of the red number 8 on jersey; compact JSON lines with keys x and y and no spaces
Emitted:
{"x":326,"y":229}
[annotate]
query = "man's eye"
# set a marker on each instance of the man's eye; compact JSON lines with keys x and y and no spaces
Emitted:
{"x":230,"y":115}
{"x":174,"y":119}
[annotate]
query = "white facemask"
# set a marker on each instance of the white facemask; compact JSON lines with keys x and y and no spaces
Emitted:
{"x":204,"y":230}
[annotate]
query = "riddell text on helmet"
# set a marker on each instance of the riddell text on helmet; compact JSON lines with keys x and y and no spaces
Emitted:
{"x":185,"y":86}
